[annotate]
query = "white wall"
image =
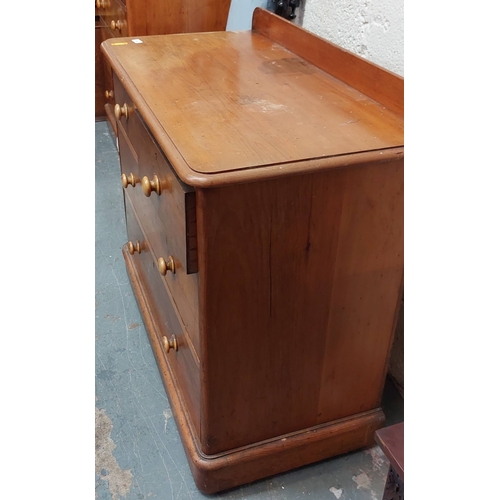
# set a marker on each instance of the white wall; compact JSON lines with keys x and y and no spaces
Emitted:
{"x":373,"y":29}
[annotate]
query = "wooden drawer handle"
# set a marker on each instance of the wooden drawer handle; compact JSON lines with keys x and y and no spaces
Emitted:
{"x":116,"y":25}
{"x":149,"y":186}
{"x":131,"y":180}
{"x":109,"y":94}
{"x":170,"y":344}
{"x":121,"y":111}
{"x":166,"y":265}
{"x":134,"y":248}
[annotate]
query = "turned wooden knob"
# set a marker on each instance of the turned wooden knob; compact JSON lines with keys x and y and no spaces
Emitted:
{"x":148,"y":186}
{"x":170,"y":343}
{"x":121,"y":111}
{"x":166,"y":265}
{"x":116,"y":25}
{"x":109,"y":94}
{"x":130,"y":179}
{"x":133,"y":248}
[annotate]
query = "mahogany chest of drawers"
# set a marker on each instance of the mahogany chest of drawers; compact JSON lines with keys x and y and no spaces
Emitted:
{"x":263,"y":190}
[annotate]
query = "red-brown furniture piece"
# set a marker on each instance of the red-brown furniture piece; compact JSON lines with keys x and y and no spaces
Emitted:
{"x":263,"y":189}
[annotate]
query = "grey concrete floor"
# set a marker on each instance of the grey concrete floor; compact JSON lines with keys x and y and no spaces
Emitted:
{"x":139,"y":454}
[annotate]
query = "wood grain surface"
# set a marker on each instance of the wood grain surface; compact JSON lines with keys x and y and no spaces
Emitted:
{"x":299,"y":283}
{"x":153,"y":17}
{"x":266,"y":105}
{"x":382,"y":85}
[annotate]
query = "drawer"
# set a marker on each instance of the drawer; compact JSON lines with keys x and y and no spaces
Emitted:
{"x":107,"y":92}
{"x":183,"y":362}
{"x":101,"y":6}
{"x":168,"y":218}
{"x":126,"y":114}
{"x":114,"y":16}
{"x":129,"y":162}
{"x":100,"y":77}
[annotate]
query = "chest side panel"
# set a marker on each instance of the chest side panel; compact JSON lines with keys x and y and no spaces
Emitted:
{"x":299,"y":283}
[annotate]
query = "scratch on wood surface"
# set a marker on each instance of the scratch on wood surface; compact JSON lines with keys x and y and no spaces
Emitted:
{"x":106,"y":467}
{"x":349,"y":122}
{"x":261,"y":105}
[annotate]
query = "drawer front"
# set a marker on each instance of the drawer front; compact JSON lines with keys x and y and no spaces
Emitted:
{"x":100,"y":77}
{"x":101,"y":6}
{"x":127,"y":115}
{"x":182,"y":362}
{"x":168,"y":218}
{"x":165,"y":220}
{"x":114,"y":16}
{"x":129,"y":163}
{"x":108,"y":92}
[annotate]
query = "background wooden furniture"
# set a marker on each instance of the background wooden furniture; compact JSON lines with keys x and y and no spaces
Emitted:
{"x":117,"y":18}
{"x":263,"y":190}
{"x":391,"y":441}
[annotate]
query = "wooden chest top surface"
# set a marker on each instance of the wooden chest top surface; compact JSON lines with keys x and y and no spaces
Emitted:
{"x":233,"y":101}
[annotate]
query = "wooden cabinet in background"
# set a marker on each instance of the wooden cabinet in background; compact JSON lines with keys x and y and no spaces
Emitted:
{"x":100,"y":85}
{"x":263,"y":186}
{"x":104,"y":96}
{"x":122,"y":18}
